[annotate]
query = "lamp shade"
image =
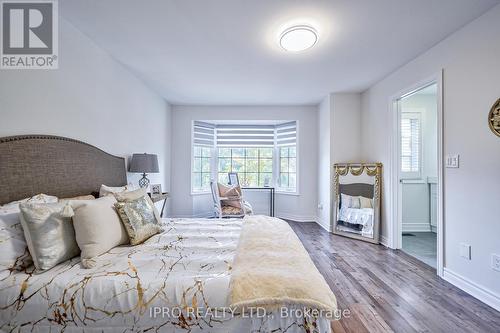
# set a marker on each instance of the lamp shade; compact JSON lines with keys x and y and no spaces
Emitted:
{"x":144,"y":163}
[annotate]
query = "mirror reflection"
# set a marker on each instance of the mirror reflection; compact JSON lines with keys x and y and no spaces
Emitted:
{"x":357,"y":200}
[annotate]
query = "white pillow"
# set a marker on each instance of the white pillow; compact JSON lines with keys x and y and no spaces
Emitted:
{"x":98,"y":228}
{"x":14,"y":253}
{"x":365,"y":202}
{"x":109,"y":190}
{"x":49,"y":232}
{"x":348,"y":201}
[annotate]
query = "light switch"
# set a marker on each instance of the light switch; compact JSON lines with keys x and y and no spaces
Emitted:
{"x":465,"y":251}
{"x":452,"y":161}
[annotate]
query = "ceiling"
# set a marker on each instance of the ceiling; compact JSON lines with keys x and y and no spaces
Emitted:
{"x":225,"y":52}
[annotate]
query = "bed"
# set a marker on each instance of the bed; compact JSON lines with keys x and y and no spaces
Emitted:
{"x":355,"y":218}
{"x":198,"y":275}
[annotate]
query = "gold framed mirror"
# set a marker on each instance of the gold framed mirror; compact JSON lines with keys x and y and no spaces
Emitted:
{"x":356,"y":200}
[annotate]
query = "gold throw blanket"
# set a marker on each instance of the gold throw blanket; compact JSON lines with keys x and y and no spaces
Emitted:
{"x":273,"y":269}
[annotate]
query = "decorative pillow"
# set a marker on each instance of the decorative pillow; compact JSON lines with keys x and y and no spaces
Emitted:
{"x":348,"y":201}
{"x":136,"y":194}
{"x":98,"y":228}
{"x":14,"y":253}
{"x":80,"y":197}
{"x":39,"y":198}
{"x":49,"y":232}
{"x":139,"y":219}
{"x":230,"y":191}
{"x":109,"y":190}
{"x":365,"y":202}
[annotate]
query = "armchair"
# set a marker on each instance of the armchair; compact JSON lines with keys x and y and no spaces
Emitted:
{"x":222,"y":207}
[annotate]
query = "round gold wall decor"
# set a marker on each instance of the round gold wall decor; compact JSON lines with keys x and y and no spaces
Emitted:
{"x":494,"y":118}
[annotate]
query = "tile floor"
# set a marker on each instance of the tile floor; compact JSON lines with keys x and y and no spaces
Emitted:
{"x":422,"y":245}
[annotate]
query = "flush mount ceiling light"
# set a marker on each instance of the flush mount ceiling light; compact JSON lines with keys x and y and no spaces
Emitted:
{"x":298,"y":38}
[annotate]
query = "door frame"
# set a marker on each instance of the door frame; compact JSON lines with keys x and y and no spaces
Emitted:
{"x":395,"y":201}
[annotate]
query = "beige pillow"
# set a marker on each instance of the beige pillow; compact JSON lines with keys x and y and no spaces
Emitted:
{"x":109,"y":190}
{"x":365,"y":202}
{"x":49,"y":233}
{"x":136,"y":194}
{"x":230,"y":191}
{"x":139,"y":218}
{"x":348,"y":201}
{"x":80,"y":197}
{"x":98,"y":228}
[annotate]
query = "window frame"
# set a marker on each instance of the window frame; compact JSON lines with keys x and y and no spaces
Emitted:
{"x":245,"y":158}
{"x":192,"y":157}
{"x":282,"y":189}
{"x":277,"y":165}
{"x":412,"y":175}
{"x":275,"y":176}
{"x":203,"y":191}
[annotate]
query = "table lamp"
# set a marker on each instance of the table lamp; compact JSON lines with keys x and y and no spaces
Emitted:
{"x":144,"y":163}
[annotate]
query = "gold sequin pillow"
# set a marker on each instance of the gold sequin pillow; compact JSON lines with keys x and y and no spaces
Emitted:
{"x":138,"y":217}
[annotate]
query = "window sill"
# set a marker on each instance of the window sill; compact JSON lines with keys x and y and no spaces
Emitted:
{"x":278,"y":191}
{"x":199,"y":193}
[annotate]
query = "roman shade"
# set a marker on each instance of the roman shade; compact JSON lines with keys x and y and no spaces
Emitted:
{"x":245,"y":135}
{"x":203,"y":134}
{"x":286,"y":134}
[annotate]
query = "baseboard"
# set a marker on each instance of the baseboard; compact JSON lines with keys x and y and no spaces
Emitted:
{"x":434,"y":229}
{"x":296,"y":218}
{"x":416,"y":227}
{"x":384,"y":241}
{"x":326,"y":227}
{"x":481,"y":293}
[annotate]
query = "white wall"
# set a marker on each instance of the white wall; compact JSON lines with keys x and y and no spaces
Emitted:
{"x":295,"y":207}
{"x":325,"y":119}
{"x":339,"y":141}
{"x":346,"y":130}
{"x":90,"y":98}
{"x":471,"y":63}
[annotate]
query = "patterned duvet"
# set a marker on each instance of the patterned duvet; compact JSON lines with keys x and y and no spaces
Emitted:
{"x":177,"y":281}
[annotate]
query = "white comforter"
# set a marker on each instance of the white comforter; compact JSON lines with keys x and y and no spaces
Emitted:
{"x":144,"y":287}
{"x":361,"y":216}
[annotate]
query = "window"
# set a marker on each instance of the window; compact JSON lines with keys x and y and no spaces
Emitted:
{"x":261,"y":154}
{"x":286,"y":140}
{"x":288,"y":168}
{"x":411,"y":145}
{"x":253,"y":165}
{"x":202,"y":159}
{"x":203,"y":142}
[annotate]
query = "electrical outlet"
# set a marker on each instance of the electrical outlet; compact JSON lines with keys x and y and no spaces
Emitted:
{"x":465,"y":251}
{"x":452,"y":161}
{"x":495,"y":262}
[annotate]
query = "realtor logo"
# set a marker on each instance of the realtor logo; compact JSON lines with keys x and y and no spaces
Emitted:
{"x":29,"y":34}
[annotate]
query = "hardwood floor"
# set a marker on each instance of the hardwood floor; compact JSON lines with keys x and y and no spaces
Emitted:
{"x":389,"y":291}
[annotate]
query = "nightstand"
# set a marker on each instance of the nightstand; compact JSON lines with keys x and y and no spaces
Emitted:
{"x":159,"y":197}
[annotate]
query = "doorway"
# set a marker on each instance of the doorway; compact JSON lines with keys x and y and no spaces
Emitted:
{"x":417,"y":175}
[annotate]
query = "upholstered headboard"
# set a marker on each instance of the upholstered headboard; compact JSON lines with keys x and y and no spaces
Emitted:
{"x":355,"y":189}
{"x":33,"y":164}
